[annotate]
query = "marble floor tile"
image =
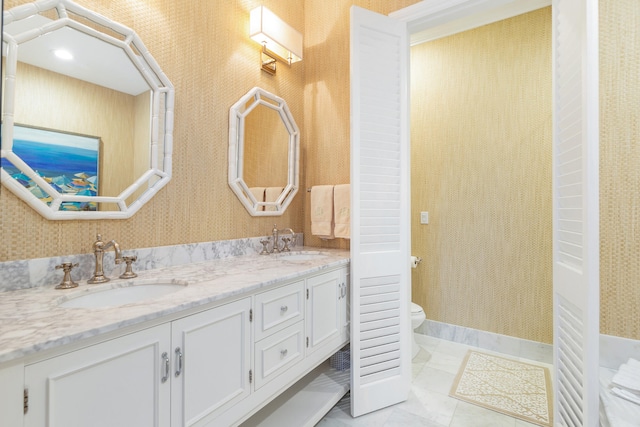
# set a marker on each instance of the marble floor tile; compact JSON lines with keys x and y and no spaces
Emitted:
{"x":445,"y":362}
{"x":434,"y":370}
{"x":401,"y":418}
{"x":454,"y":349}
{"x":520,"y":423}
{"x":468,"y":415}
{"x":435,"y":407}
{"x":341,"y":415}
{"x":428,"y":343}
{"x":434,"y":380}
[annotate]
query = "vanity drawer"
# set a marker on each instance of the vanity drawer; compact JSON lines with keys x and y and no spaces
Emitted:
{"x":276,"y":353}
{"x":278,"y":308}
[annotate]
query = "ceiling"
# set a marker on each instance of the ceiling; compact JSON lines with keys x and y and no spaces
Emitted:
{"x":94,"y":60}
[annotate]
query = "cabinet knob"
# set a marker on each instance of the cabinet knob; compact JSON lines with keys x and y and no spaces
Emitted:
{"x":284,"y":309}
{"x":283,"y":353}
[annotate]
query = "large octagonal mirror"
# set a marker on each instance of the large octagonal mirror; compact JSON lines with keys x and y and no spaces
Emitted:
{"x":87,"y":113}
{"x":264,"y":146}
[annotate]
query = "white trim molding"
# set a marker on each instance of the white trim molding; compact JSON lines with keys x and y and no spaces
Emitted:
{"x":433,"y":19}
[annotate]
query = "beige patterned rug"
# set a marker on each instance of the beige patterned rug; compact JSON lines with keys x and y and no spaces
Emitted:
{"x":517,"y":389}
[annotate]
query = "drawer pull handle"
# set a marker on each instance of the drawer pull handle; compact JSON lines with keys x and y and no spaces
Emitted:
{"x":283,"y":353}
{"x":284,"y":309}
{"x":167,"y":368}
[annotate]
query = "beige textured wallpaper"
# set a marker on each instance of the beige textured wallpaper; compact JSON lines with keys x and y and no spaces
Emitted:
{"x":620,"y":168}
{"x":487,"y":247}
{"x":204,"y":49}
{"x":326,"y":95}
{"x":481,"y":120}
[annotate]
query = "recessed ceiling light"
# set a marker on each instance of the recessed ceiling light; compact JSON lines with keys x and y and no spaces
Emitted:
{"x":63,"y":54}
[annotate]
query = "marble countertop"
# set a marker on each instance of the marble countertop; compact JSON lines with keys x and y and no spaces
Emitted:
{"x":31,"y":320}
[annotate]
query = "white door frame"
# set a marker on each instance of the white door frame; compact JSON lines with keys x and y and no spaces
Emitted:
{"x":432,"y":19}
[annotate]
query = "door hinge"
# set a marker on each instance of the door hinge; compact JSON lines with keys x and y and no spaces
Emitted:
{"x":25,"y":400}
{"x":307,"y":342}
{"x":250,"y":376}
{"x":307,"y":293}
{"x":251,"y":315}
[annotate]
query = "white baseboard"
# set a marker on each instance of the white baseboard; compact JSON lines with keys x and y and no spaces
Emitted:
{"x":513,"y":346}
{"x":614,"y":351}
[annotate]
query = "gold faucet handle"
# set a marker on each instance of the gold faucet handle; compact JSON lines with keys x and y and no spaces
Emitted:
{"x":286,"y":241}
{"x":128,"y":273}
{"x":67,"y":282}
{"x":265,"y":250}
{"x":67,"y":266}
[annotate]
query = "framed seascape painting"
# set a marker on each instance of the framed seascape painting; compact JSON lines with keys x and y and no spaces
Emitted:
{"x":68,"y":162}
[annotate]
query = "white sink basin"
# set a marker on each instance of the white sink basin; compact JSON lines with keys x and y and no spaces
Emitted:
{"x":115,"y":295}
{"x":301,"y":256}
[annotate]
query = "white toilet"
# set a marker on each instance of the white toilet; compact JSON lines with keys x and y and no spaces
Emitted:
{"x":417,"y":317}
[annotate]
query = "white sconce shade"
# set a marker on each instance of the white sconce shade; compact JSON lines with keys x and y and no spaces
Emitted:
{"x":279,"y":39}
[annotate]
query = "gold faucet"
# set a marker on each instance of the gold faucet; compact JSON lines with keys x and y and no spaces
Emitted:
{"x":275,"y":235}
{"x":98,"y":251}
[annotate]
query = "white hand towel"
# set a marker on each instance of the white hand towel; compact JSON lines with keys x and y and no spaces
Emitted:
{"x":342,"y":210}
{"x":615,"y":411}
{"x":271,"y":194}
{"x":322,"y":211}
{"x":258,"y":193}
{"x":627,"y":395}
{"x":628,"y":376}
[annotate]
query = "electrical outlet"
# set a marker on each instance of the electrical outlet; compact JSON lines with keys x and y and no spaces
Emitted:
{"x":424,"y":217}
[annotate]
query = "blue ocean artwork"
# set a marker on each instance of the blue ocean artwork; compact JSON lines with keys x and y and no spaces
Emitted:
{"x":52,"y":159}
{"x":69,"y":163}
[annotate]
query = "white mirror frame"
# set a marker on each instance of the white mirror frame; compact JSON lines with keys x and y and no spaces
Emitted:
{"x":237,"y":114}
{"x":159,"y":172}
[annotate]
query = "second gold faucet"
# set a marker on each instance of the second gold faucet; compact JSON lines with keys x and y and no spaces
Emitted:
{"x":275,"y":236}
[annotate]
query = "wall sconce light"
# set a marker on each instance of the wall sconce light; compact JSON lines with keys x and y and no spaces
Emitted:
{"x":279,"y":40}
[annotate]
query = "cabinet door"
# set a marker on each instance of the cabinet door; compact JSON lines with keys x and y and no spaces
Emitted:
{"x":323,"y":309}
{"x":115,"y":383}
{"x":214,"y":373}
{"x":11,"y":397}
{"x":345,"y":319}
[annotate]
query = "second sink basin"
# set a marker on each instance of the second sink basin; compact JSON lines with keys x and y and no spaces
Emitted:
{"x":115,"y":295}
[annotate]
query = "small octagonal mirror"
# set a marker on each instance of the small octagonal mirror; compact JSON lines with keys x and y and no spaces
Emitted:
{"x":264,"y":151}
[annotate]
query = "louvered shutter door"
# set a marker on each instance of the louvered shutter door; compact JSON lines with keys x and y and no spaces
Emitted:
{"x":576,"y":198}
{"x":380,"y":241}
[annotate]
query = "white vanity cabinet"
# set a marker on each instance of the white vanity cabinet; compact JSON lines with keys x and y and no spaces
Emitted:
{"x":324,"y":308}
{"x":114,"y":383}
{"x":174,"y":374}
{"x":215,"y":367}
{"x":11,"y":394}
{"x":303,"y":392}
{"x":279,"y":331}
{"x":211,"y":359}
